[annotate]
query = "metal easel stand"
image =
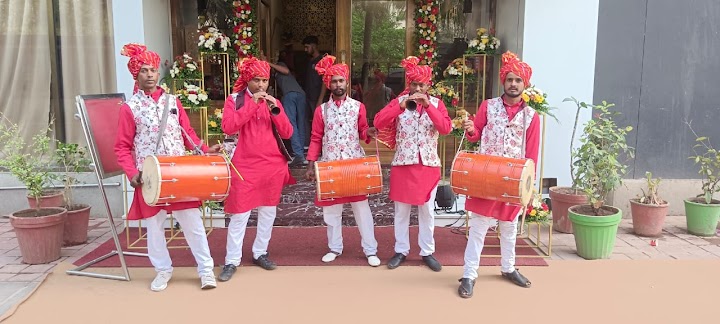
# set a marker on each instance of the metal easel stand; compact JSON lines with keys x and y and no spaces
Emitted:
{"x":118,"y":249}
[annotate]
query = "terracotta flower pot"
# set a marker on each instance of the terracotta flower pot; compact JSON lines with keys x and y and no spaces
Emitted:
{"x":648,"y":220}
{"x":39,"y":233}
{"x":76,"y":225}
{"x":50,"y":199}
{"x":562,"y":199}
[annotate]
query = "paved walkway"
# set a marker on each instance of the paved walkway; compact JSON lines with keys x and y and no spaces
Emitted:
{"x":18,"y":279}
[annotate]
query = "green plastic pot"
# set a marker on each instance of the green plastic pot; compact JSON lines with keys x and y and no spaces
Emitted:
{"x":702,"y":219}
{"x":595,"y":235}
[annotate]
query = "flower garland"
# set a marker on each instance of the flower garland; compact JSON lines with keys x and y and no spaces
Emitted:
{"x":426,"y":29}
{"x":244,"y":33}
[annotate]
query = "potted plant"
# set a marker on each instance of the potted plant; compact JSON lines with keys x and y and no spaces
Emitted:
{"x":39,"y":230}
{"x":562,"y":198}
{"x":702,"y":212}
{"x":649,"y":210}
{"x":72,"y":159}
{"x":599,"y":172}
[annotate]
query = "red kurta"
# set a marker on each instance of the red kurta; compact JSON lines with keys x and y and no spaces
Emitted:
{"x":413,"y":184}
{"x":497,"y":209}
{"x":315,"y":149}
{"x":257,"y":156}
{"x":125,"y":151}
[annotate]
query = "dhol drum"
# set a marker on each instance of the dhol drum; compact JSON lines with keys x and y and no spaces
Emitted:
{"x":347,"y":178}
{"x":493,"y":177}
{"x":171,"y":179}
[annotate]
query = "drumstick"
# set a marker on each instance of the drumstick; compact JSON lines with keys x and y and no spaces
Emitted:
{"x":222,"y":148}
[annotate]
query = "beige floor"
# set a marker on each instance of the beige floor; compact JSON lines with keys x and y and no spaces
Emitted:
{"x":652,"y":291}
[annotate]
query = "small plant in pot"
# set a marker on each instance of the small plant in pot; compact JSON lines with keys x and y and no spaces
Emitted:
{"x":702,"y":212}
{"x":39,"y":230}
{"x":72,"y":159}
{"x":649,"y":210}
{"x":599,"y":172}
{"x":563,"y":198}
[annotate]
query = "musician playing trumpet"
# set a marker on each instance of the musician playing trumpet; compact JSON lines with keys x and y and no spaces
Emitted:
{"x":417,"y":120}
{"x":259,"y":122}
{"x":337,"y":129}
{"x":499,"y":126}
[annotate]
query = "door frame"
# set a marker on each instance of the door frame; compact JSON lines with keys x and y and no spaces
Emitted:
{"x":344,"y":24}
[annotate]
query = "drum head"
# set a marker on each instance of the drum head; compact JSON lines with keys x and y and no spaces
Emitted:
{"x":317,"y":180}
{"x":151,"y":180}
{"x":527,"y":180}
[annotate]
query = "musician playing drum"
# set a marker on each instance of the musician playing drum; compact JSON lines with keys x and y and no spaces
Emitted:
{"x":259,"y":122}
{"x":338,"y":127}
{"x":138,"y":130}
{"x":499,"y":128}
{"x":417,"y":119}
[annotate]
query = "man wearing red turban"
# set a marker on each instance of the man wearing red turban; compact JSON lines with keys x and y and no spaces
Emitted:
{"x":502,"y":125}
{"x":137,"y":138}
{"x":255,"y":122}
{"x":338,"y":127}
{"x":416,"y":119}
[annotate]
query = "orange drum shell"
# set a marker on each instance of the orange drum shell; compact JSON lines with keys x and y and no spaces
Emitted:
{"x":196,"y":178}
{"x":349,"y":178}
{"x":485,"y":177}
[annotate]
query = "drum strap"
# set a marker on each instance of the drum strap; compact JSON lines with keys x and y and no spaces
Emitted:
{"x":163,"y":123}
{"x":240,"y":102}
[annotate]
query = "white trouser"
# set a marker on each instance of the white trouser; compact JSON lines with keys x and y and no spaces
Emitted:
{"x":236,"y":234}
{"x":478,"y":229}
{"x":192,"y":226}
{"x":426,"y":224}
{"x":363,"y":217}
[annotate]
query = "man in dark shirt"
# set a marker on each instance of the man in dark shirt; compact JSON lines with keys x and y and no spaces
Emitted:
{"x":294,"y":103}
{"x":313,"y":81}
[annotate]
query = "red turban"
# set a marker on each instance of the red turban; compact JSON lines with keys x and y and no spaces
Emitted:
{"x":250,"y":68}
{"x":511,"y":63}
{"x":415,"y":72}
{"x":328,"y":69}
{"x":139,"y":56}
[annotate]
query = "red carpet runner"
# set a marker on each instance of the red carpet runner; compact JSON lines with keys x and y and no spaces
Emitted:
{"x":304,"y":246}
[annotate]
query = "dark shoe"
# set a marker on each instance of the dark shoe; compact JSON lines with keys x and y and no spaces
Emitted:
{"x":517,"y":278}
{"x":227,"y":272}
{"x":432,"y":263}
{"x":264,"y":262}
{"x":466,"y":287}
{"x":396,"y":260}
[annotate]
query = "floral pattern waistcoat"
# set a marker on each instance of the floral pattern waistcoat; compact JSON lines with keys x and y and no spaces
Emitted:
{"x":416,"y":135}
{"x":148,"y":114}
{"x":341,"y":140}
{"x":501,"y":137}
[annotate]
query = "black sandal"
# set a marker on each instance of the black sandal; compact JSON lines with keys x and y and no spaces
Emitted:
{"x":517,"y":278}
{"x":466,"y":287}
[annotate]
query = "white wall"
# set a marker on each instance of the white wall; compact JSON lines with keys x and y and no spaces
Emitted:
{"x":144,"y":22}
{"x":559,"y":44}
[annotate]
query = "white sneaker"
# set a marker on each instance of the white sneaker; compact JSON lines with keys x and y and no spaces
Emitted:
{"x":161,"y":280}
{"x":329,"y":257}
{"x":373,"y":260}
{"x":208,"y":281}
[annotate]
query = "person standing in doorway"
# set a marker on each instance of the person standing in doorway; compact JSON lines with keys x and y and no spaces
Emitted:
{"x":313,"y":82}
